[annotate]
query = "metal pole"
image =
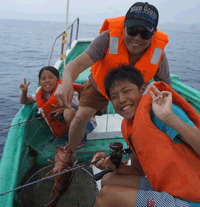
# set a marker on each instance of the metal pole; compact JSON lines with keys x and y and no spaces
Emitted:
{"x":108,"y":110}
{"x":50,"y":55}
{"x":71,"y":33}
{"x":77,"y":28}
{"x":66,"y":26}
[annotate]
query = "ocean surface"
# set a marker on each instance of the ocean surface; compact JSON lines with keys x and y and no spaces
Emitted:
{"x":25,"y":47}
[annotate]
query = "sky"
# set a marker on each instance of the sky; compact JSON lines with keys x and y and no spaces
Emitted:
{"x":95,"y":11}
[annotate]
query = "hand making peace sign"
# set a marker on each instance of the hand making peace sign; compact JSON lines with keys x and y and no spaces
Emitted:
{"x":24,"y":86}
{"x":161,"y":103}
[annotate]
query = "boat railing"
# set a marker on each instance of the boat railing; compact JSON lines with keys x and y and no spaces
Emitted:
{"x":71,"y":26}
{"x":108,"y":113}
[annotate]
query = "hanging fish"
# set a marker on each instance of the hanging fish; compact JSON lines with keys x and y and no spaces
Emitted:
{"x":62,"y":182}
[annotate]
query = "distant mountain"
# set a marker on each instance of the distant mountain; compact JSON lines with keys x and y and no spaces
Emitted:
{"x":180,"y":27}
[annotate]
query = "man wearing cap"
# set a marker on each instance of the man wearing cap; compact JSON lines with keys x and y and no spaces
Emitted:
{"x":133,"y":39}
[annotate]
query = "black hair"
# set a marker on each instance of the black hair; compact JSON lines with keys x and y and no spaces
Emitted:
{"x":121,"y":74}
{"x":51,"y":69}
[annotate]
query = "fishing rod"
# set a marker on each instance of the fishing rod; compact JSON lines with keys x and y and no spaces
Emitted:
{"x":52,"y":176}
{"x":115,"y":156}
{"x":20,"y":123}
{"x":60,"y":118}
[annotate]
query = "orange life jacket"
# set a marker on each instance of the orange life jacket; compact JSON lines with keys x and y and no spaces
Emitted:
{"x":118,"y":53}
{"x":170,"y":167}
{"x":46,"y":107}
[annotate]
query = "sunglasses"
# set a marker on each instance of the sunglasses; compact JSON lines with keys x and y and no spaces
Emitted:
{"x":133,"y":31}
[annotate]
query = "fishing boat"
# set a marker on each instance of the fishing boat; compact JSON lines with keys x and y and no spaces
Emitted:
{"x":29,"y":145}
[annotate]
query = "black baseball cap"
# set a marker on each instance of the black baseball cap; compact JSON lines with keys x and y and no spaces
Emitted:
{"x":142,"y":14}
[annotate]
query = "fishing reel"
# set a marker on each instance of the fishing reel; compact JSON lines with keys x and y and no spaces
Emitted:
{"x":116,"y":151}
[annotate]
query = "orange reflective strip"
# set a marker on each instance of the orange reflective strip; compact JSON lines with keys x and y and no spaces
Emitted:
{"x":64,"y":34}
{"x":64,"y":41}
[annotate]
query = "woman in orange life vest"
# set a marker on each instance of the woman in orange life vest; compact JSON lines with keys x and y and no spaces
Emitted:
{"x":128,"y":186}
{"x":47,"y":103}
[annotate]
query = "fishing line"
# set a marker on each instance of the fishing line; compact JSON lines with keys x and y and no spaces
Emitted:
{"x":111,"y":156}
{"x":93,"y":178}
{"x":42,"y":171}
{"x":33,"y":136}
{"x":44,"y":178}
{"x":20,"y":123}
{"x":38,"y":128}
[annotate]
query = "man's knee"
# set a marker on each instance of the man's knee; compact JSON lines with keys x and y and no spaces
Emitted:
{"x":69,"y":115}
{"x":79,"y":120}
{"x":84,"y":114}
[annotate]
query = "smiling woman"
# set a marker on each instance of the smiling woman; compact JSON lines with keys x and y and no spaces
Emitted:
{"x":48,"y":78}
{"x":48,"y":81}
{"x":47,"y":103}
